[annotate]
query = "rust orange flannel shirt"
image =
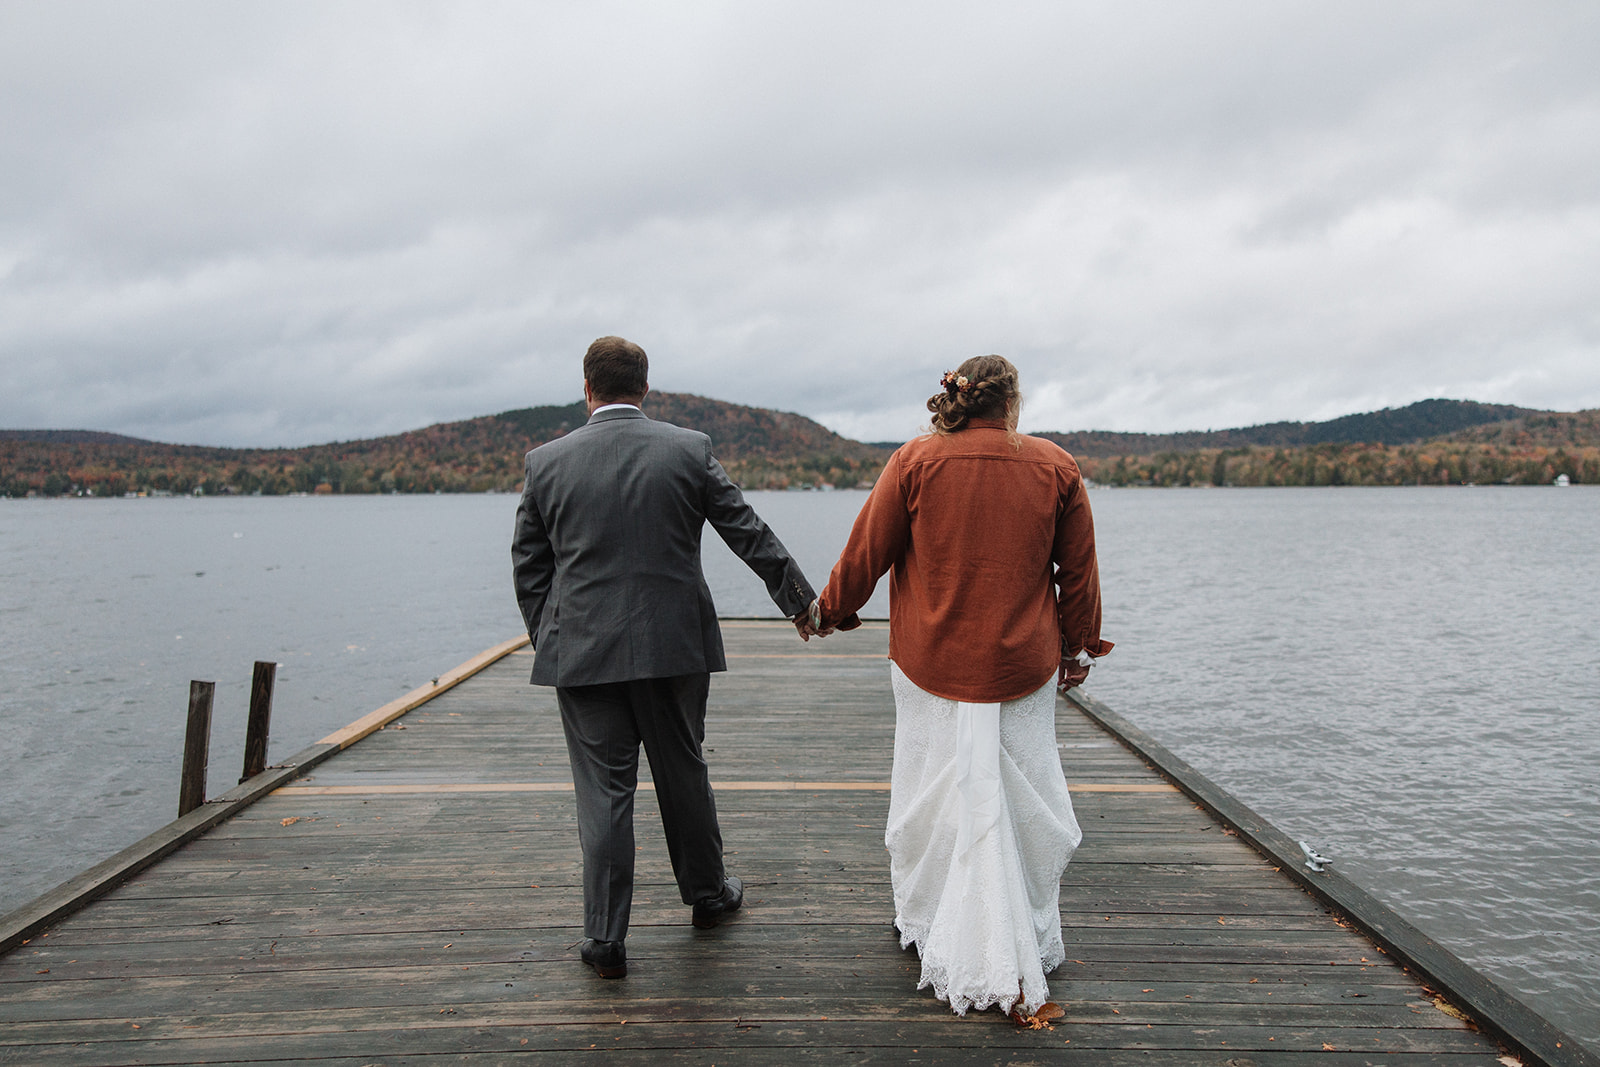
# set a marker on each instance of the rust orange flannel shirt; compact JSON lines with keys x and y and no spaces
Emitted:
{"x":991,"y":563}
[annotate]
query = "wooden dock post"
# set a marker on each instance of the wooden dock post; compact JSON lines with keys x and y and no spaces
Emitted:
{"x":196,"y":747}
{"x":256,"y":729}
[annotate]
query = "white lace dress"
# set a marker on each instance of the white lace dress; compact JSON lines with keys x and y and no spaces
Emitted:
{"x":980,"y":829}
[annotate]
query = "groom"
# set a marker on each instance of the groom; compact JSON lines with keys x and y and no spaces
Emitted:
{"x":606,"y":559}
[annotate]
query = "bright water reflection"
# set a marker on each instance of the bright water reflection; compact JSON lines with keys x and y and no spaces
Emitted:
{"x":1408,"y":678}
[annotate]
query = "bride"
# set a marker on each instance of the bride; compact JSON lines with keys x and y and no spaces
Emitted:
{"x":989,"y":544}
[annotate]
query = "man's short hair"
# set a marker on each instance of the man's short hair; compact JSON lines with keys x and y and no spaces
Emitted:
{"x":616,"y":369}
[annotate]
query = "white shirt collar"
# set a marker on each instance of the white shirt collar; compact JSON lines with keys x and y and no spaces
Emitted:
{"x":613,"y":407}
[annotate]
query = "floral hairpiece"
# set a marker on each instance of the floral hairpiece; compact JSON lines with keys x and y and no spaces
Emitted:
{"x":954,"y":383}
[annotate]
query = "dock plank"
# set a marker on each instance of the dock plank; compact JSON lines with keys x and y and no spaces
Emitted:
{"x":416,"y":898}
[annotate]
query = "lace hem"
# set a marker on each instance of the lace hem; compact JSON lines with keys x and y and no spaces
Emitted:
{"x":963,"y":1000}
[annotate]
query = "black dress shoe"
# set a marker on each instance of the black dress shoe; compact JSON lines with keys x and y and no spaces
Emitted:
{"x":608,"y":958}
{"x":709,"y":912}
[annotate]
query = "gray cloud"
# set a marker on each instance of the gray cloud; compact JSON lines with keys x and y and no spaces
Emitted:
{"x":292,"y":223}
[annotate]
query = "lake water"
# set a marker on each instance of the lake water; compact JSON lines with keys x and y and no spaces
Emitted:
{"x":1407,"y":678}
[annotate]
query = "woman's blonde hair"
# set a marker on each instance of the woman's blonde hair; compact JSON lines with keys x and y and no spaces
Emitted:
{"x":984,"y":387}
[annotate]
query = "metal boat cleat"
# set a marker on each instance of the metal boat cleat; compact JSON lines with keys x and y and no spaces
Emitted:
{"x":1314,"y":859}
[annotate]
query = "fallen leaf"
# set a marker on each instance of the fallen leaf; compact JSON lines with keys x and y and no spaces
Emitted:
{"x":1329,"y":1047}
{"x":1451,"y":1010}
{"x":1039,"y":1020}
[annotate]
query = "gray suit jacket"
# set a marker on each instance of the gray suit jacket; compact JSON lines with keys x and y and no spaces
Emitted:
{"x":606,"y":554}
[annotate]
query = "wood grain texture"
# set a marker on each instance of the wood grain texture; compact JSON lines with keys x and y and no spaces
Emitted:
{"x":196,"y":747}
{"x":258,"y":725}
{"x":23,"y":923}
{"x":416,"y":897}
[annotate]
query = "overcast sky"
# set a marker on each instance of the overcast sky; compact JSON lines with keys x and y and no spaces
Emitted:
{"x":286,"y":223}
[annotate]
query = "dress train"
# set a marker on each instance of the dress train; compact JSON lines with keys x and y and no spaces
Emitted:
{"x":980,"y":830}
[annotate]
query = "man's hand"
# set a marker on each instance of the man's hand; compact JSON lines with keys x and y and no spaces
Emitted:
{"x":809,"y":623}
{"x":802,"y":625}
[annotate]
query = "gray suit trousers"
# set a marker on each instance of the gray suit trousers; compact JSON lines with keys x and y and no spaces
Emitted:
{"x":605,"y":724}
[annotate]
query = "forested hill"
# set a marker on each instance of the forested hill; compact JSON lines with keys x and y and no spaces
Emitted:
{"x":741,"y":433}
{"x":72,"y":437}
{"x":1550,"y":429}
{"x":1422,"y":444}
{"x":761,"y":448}
{"x":737,"y":432}
{"x":1392,"y":426}
{"x":1431,"y":442}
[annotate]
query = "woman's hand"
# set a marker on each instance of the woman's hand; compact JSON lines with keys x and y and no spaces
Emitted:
{"x":809,"y":623}
{"x":1073,"y":673}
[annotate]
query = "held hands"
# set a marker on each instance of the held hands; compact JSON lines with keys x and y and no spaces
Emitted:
{"x":809,"y":623}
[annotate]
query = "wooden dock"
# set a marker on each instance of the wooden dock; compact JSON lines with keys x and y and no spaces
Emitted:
{"x":415,"y":898}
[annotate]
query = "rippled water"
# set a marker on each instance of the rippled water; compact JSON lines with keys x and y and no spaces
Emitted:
{"x":108,"y":608}
{"x":1408,"y":678}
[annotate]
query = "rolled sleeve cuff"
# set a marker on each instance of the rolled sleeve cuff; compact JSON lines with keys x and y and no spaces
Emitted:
{"x":822,"y":619}
{"x":1093,"y":651}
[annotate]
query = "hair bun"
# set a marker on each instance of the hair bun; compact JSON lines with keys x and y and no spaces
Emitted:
{"x":982,"y":387}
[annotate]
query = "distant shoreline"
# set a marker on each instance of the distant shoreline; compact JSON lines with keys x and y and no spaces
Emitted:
{"x":1431,"y":442}
{"x":1093,"y":485}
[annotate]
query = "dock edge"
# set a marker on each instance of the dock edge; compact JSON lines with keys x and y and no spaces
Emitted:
{"x":22,"y":925}
{"x":1496,"y":1010}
